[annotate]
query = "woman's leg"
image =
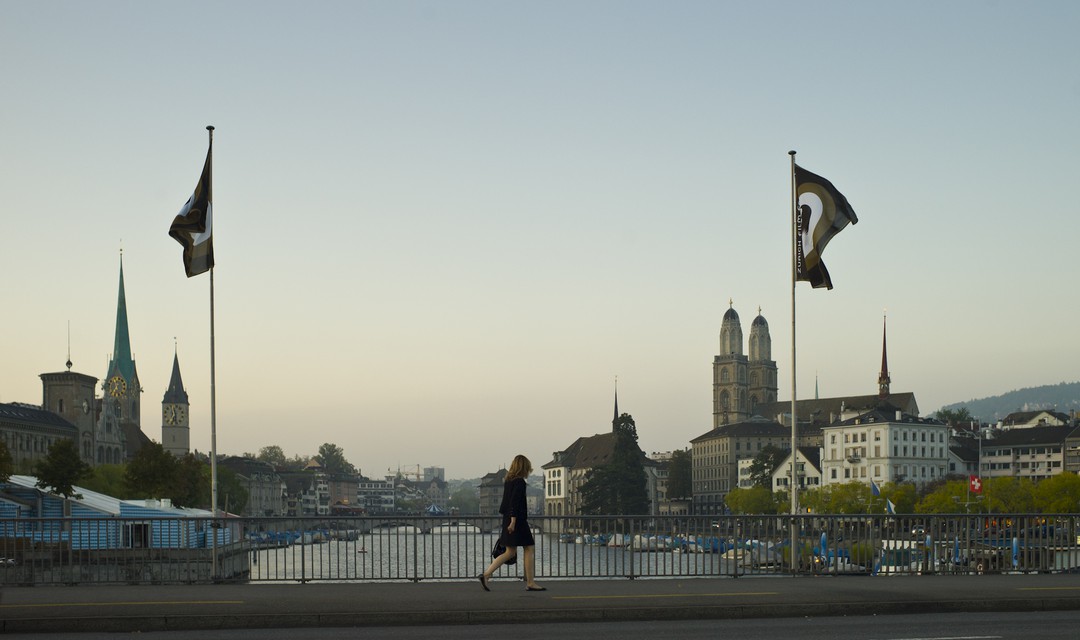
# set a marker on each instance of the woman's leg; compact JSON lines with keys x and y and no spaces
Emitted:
{"x":530,"y":566}
{"x":500,"y":561}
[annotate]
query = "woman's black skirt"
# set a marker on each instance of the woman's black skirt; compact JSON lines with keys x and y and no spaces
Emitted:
{"x":521,"y":537}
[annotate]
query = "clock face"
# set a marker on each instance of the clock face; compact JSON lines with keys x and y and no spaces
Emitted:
{"x":174,"y":415}
{"x":116,"y":386}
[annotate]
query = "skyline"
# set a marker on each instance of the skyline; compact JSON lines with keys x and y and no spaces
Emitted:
{"x":438,"y":226}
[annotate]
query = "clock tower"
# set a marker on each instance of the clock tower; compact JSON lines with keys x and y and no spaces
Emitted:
{"x":175,"y":431}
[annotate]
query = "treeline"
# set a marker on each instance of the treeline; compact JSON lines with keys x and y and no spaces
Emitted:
{"x":1057,"y":494}
{"x":156,"y":473}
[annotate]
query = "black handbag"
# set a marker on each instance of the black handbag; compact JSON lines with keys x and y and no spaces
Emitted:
{"x":499,"y":549}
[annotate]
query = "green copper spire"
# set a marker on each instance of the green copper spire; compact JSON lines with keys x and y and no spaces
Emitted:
{"x":121,"y":358}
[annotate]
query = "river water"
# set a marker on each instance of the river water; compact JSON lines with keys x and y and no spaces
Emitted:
{"x":415,"y":556}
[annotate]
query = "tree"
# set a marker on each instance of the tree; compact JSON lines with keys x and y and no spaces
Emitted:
{"x":152,"y":473}
{"x":847,"y":498}
{"x":680,"y":483}
{"x":232,"y":495}
{"x":1009,"y":495}
{"x":7,"y":466}
{"x":61,"y":468}
{"x":954,"y":417}
{"x":620,"y":486}
{"x":332,"y":458}
{"x":1058,"y":494}
{"x":274,"y":455}
{"x":465,"y":499}
{"x":109,"y":480}
{"x":763,"y":465}
{"x":756,"y":500}
{"x":190,"y":485}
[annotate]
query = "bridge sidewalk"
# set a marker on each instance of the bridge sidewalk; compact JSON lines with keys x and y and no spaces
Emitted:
{"x":253,"y":606}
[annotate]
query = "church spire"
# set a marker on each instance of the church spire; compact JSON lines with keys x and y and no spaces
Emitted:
{"x":176,"y":393}
{"x":883,"y":377}
{"x":615,"y":420}
{"x":122,"y":343}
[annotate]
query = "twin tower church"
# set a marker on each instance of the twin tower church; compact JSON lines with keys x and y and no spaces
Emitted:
{"x":109,"y":426}
{"x":741,"y":382}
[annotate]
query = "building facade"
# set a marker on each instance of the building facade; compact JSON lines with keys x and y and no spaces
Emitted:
{"x":717,"y":453}
{"x":885,"y":445}
{"x":1029,"y":452}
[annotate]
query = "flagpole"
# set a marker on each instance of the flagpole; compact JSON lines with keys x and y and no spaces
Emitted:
{"x":794,"y":416}
{"x":213,"y":412}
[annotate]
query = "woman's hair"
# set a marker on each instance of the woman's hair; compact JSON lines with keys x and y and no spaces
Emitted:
{"x":519,"y":468}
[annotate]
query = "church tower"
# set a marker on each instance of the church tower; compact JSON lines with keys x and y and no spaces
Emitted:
{"x":762,"y":368}
{"x":70,"y":395}
{"x":730,"y":385}
{"x":120,"y":401}
{"x":175,"y":430}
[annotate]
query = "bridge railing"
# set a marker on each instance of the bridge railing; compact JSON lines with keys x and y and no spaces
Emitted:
{"x":38,"y":551}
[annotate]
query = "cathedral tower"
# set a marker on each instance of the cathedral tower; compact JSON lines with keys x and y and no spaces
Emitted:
{"x":762,"y":368}
{"x":730,"y":386}
{"x":175,"y":430}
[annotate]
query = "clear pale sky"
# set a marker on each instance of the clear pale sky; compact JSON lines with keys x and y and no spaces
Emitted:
{"x":442,"y":229}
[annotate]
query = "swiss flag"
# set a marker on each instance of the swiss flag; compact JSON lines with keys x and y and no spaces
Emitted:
{"x":975,"y":483}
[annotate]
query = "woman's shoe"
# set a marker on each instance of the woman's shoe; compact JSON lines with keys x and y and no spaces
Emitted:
{"x":483,"y":581}
{"x":528,"y":588}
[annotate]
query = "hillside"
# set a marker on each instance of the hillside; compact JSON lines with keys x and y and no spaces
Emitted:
{"x":1063,"y":397}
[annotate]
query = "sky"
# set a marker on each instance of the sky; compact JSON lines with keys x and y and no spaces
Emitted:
{"x":443,"y":229}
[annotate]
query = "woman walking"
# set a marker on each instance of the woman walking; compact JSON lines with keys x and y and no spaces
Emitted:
{"x":515,"y":526}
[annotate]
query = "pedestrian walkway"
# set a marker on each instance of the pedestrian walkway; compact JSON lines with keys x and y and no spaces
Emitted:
{"x":253,"y":606}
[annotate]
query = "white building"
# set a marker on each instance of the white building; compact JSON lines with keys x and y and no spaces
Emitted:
{"x":885,"y":445}
{"x":807,"y":468}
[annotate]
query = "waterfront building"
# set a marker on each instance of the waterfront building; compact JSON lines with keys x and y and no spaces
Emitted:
{"x":29,"y":431}
{"x":807,"y":470}
{"x":963,"y":456}
{"x":99,"y":521}
{"x":716,"y":455}
{"x":491,"y":491}
{"x":885,"y":445}
{"x":569,"y":469}
{"x":1030,"y":419}
{"x":377,"y":497}
{"x":1029,"y":452}
{"x":1072,"y":451}
{"x":266,"y":489}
